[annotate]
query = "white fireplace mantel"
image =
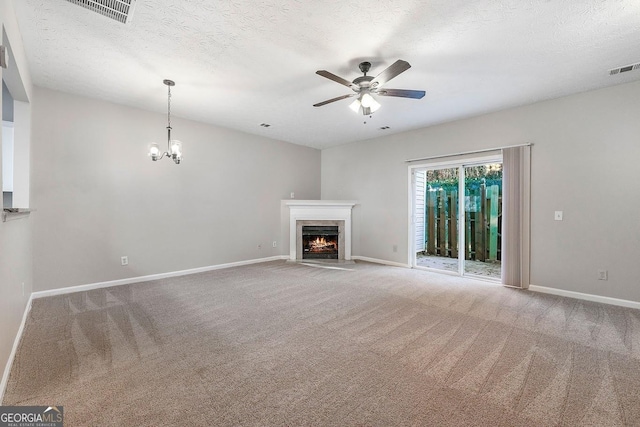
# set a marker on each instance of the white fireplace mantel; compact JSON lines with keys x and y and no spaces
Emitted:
{"x":321,"y":210}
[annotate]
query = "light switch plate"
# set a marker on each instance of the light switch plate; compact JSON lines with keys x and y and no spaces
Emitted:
{"x":558,"y":216}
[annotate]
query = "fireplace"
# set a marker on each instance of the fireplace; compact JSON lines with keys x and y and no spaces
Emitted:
{"x":320,"y":229}
{"x":320,"y":242}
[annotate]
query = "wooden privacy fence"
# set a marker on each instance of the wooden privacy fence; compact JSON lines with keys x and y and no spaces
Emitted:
{"x":483,"y":223}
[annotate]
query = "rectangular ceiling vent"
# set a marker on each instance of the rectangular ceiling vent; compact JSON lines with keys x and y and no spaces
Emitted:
{"x":624,"y":69}
{"x":119,"y":10}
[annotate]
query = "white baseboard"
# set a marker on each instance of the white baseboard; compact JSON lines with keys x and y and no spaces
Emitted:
{"x":14,"y":349}
{"x":127,"y":281}
{"x":380,"y":261}
{"x":587,"y":297}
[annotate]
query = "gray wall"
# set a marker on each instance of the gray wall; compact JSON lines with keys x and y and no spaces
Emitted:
{"x":98,"y":196}
{"x":584,"y":162}
{"x":15,"y":236}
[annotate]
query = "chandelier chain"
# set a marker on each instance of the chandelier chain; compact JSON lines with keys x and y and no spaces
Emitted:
{"x":169,"y":107}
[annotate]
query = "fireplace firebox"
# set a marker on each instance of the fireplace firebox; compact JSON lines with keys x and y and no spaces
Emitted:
{"x":320,"y":242}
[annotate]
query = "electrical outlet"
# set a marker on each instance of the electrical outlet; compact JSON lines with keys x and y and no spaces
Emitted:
{"x":603,"y":275}
{"x":558,"y":216}
{"x":293,"y":195}
{"x":395,"y":248}
{"x":274,"y":244}
{"x":124,"y":260}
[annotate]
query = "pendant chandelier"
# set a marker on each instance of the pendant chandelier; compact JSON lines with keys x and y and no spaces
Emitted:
{"x":174,"y":147}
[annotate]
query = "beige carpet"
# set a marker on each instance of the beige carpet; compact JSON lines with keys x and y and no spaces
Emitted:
{"x":367,"y":345}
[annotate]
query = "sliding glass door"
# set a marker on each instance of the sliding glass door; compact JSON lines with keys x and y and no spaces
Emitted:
{"x":457,"y":218}
{"x":483,"y":220}
{"x":438,"y":199}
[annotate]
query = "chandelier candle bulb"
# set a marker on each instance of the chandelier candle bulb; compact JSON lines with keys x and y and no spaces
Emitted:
{"x":154,"y":151}
{"x":176,"y":151}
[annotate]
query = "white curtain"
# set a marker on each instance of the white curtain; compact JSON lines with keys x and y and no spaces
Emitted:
{"x":516,"y":206}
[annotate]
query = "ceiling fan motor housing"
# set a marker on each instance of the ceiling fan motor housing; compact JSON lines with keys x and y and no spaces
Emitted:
{"x":362,"y":82}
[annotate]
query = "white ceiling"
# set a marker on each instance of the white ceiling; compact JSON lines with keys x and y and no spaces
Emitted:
{"x":238,"y":63}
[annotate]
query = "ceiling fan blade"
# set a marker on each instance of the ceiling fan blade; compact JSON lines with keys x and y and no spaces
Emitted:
{"x":402,"y":93}
{"x":329,"y":101}
{"x":337,"y":79}
{"x":392,"y":71}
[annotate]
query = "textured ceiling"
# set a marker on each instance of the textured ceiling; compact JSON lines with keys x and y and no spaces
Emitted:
{"x":238,"y":63}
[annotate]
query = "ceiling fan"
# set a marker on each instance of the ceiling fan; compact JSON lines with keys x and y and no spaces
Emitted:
{"x":366,"y":86}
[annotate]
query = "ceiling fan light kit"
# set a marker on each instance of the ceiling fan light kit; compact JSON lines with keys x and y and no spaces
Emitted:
{"x":366,"y":102}
{"x":174,"y":147}
{"x":364,"y":87}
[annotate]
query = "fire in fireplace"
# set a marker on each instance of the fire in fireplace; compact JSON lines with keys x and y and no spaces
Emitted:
{"x":319,"y":242}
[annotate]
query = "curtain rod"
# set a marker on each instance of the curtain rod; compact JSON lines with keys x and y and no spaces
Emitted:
{"x":467,"y":152}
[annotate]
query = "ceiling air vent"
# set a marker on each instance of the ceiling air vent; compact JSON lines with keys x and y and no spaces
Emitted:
{"x":119,"y":10}
{"x":624,"y":69}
